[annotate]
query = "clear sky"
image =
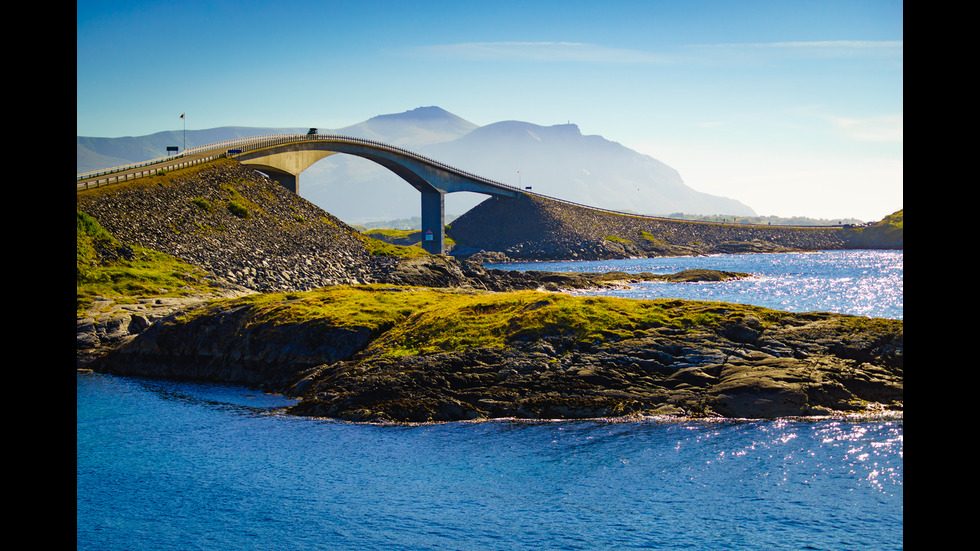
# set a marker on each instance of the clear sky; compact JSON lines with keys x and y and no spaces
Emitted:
{"x":794,"y":107}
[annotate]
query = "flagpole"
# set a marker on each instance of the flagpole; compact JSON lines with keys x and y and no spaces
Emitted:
{"x":185,"y":130}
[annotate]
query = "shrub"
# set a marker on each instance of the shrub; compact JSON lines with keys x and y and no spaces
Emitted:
{"x":237,"y":209}
{"x":203,"y":203}
{"x":617,"y":239}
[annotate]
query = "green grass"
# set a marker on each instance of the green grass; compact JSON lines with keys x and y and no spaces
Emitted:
{"x":402,"y":237}
{"x":410,"y":321}
{"x":391,"y":235}
{"x":617,"y":239}
{"x":237,"y":203}
{"x":107,"y":268}
{"x":895,"y":220}
{"x":375,"y":307}
{"x":647,"y":236}
{"x":237,"y":209}
{"x":382,"y":248}
{"x":203,"y":204}
{"x":888,"y":230}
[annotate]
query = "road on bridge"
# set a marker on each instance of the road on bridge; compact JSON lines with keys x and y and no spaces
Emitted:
{"x":130,"y":173}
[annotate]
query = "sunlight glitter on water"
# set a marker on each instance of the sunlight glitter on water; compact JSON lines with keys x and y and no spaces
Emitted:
{"x":864,"y":283}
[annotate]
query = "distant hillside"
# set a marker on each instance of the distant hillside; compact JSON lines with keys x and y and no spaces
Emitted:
{"x":889,"y":233}
{"x":556,"y":160}
{"x":559,"y":161}
{"x":412,"y":129}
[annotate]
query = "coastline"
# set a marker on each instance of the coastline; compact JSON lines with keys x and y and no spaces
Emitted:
{"x":537,"y":355}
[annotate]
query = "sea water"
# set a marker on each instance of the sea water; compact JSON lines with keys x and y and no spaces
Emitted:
{"x":865,"y":282}
{"x":164,"y":466}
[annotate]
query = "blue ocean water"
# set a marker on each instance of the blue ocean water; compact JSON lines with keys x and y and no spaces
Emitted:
{"x":165,"y":465}
{"x":865,"y":282}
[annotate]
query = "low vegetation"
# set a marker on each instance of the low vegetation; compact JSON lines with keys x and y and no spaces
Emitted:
{"x":237,"y":209}
{"x":104,"y":267}
{"x":203,"y":204}
{"x":617,"y":239}
{"x":407,"y":238}
{"x":411,"y":321}
{"x":383,"y":248}
{"x":391,"y":235}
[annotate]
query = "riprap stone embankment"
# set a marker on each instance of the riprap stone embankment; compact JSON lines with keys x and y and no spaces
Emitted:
{"x":536,"y":228}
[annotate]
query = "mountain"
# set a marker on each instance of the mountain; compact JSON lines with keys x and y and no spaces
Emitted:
{"x":412,"y":129}
{"x":558,"y":161}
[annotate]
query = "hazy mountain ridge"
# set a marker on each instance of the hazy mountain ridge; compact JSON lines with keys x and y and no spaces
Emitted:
{"x":558,"y":161}
{"x":412,"y":129}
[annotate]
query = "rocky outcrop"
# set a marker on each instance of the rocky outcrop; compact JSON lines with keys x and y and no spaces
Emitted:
{"x":656,"y":373}
{"x":753,"y":363}
{"x":440,"y":271}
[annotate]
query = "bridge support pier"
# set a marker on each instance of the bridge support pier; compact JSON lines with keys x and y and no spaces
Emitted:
{"x":287,"y":181}
{"x":284,"y":179}
{"x":434,"y":222}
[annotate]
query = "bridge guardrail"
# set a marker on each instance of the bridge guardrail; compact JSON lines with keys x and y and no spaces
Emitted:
{"x":252,"y":143}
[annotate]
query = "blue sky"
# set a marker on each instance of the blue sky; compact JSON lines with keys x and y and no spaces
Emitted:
{"x":792,"y":107}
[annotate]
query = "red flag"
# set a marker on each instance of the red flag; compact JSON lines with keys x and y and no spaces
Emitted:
{"x":181,"y":115}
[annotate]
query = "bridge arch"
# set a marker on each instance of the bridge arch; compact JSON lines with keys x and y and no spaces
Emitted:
{"x":284,"y":160}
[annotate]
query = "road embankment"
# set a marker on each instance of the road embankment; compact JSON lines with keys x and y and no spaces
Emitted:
{"x":536,"y":228}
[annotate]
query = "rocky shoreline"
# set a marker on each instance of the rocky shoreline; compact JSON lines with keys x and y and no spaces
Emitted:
{"x":745,"y":363}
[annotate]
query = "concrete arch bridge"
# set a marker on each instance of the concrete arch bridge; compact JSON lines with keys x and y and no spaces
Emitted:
{"x":284,"y":158}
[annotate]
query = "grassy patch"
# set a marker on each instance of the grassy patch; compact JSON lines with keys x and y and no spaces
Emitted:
{"x":237,"y":204}
{"x":617,"y":239}
{"x":391,"y":235}
{"x":104,"y":267}
{"x":203,"y":204}
{"x":460,"y":321}
{"x":407,"y":238}
{"x":376,"y":307}
{"x":647,"y":236}
{"x":382,"y":248}
{"x":888,"y":232}
{"x":238,"y":209}
{"x":421,"y":321}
